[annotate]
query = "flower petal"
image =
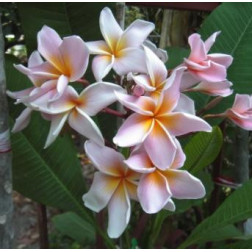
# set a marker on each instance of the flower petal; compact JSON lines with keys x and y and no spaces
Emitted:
{"x":198,"y":51}
{"x":131,"y":189}
{"x":140,"y":104}
{"x":142,"y":80}
{"x":160,"y":147}
{"x":35,"y":59}
{"x":220,"y":58}
{"x":101,"y":66}
{"x":179,"y":158}
{"x":48,"y":46}
{"x":83,"y":124}
{"x":135,"y":34}
{"x":98,"y":47}
{"x":170,"y":205}
{"x":242,"y":103}
{"x":215,"y":88}
{"x":98,"y":96}
{"x":118,"y":212}
{"x":185,"y":105}
{"x":153,"y":192}
{"x":20,"y":94}
{"x":75,"y":55}
{"x":183,"y":185}
{"x":22,"y":121}
{"x":178,"y":123}
{"x":210,"y":41}
{"x":139,"y":161}
{"x":105,"y":159}
{"x":133,"y":131}
{"x":188,"y":80}
{"x":57,"y":123}
{"x":130,"y":60}
{"x":100,"y":192}
{"x":156,"y":68}
{"x":170,"y":96}
{"x":110,"y":29}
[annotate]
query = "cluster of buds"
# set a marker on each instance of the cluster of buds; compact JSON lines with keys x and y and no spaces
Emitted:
{"x":158,"y":111}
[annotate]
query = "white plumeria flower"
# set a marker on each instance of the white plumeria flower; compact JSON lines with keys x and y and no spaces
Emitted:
{"x":157,"y":186}
{"x":113,"y":186}
{"x":66,"y":60}
{"x":77,"y":109}
{"x":121,"y":50}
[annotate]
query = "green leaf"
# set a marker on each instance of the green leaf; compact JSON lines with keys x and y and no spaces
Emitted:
{"x":70,"y":224}
{"x":202,"y":150}
{"x":234,"y":20}
{"x":247,"y":244}
{"x":176,"y":56}
{"x":66,"y":18}
{"x":237,"y":207}
{"x":51,"y":176}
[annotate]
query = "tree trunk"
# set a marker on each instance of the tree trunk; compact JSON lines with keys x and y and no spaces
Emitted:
{"x":6,"y":204}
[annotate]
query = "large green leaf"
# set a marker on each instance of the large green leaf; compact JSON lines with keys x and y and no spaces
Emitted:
{"x":237,"y":207}
{"x":247,"y":244}
{"x":234,"y":20}
{"x":70,"y":224}
{"x":202,"y":150}
{"x":51,"y":176}
{"x":66,"y":18}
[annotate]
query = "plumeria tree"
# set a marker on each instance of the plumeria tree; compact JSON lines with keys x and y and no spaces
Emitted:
{"x":152,"y":163}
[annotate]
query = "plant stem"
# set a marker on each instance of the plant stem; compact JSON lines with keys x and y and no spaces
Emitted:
{"x":114,"y":112}
{"x":214,"y":115}
{"x":42,"y":223}
{"x":210,"y":105}
{"x":83,"y":81}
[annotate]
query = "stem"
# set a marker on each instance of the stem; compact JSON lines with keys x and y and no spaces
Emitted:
{"x":43,"y":231}
{"x":114,"y":112}
{"x":210,"y":105}
{"x":83,"y":81}
{"x":214,"y":115}
{"x":141,"y":225}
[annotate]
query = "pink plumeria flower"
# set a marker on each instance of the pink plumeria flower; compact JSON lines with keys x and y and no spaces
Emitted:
{"x":222,"y":88}
{"x":76,"y":109}
{"x":113,"y":186}
{"x":157,"y":186}
{"x":241,"y":111}
{"x":66,"y":60}
{"x":156,"y":80}
{"x":203,"y":66}
{"x":156,"y":123}
{"x":121,"y":49}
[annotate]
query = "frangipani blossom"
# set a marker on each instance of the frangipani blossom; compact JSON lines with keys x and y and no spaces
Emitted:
{"x":156,"y":187}
{"x":77,"y":109}
{"x":241,"y":111}
{"x":66,"y":60}
{"x":156,"y":80}
{"x":214,"y":88}
{"x":161,"y":53}
{"x":156,"y":123}
{"x":121,"y":50}
{"x":202,"y":66}
{"x":113,"y":186}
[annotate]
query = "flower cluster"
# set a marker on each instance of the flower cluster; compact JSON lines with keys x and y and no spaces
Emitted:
{"x":158,"y":111}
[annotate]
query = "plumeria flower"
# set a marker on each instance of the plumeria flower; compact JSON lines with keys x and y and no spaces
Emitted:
{"x":222,"y":88}
{"x":77,"y":109}
{"x":157,"y":186}
{"x":241,"y":111}
{"x":66,"y":60}
{"x":121,"y":49}
{"x":203,"y":66}
{"x":156,"y":123}
{"x":113,"y":186}
{"x":156,"y":80}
